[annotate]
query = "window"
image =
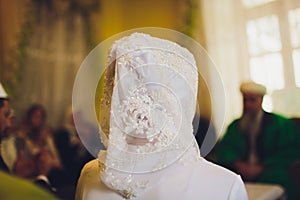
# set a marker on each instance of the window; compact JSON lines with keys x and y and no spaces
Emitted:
{"x":272,"y":29}
{"x":296,"y":59}
{"x":264,"y":45}
{"x":268,"y":71}
{"x":294,"y":22}
{"x":253,"y":3}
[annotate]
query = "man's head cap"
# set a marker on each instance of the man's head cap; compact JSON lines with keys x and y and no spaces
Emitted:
{"x":253,"y":88}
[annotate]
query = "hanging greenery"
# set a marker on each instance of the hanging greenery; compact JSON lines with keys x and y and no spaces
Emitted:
{"x":13,"y":70}
{"x":190,"y":17}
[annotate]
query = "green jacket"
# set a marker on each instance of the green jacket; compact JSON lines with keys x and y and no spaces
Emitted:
{"x":277,"y":148}
{"x":277,"y":143}
{"x":12,"y":188}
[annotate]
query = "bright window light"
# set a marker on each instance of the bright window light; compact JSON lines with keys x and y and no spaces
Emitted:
{"x":296,"y":60}
{"x":263,"y":35}
{"x":267,"y":103}
{"x":253,"y":3}
{"x":268,"y":70}
{"x":294,"y":19}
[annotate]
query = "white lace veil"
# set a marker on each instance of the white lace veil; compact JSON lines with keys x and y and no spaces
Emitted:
{"x":152,"y":107}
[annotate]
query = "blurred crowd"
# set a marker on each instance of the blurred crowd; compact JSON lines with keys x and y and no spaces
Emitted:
{"x":51,"y":158}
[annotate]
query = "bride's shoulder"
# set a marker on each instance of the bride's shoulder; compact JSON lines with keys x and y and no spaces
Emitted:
{"x":92,"y":168}
{"x":208,"y":168}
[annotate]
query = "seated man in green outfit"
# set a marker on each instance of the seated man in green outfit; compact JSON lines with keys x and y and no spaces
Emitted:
{"x":260,"y":146}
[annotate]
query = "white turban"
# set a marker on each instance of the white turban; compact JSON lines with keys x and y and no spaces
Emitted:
{"x":253,"y":88}
{"x":3,"y":94}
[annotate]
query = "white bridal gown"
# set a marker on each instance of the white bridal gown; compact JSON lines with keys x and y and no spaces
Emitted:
{"x":151,"y":150}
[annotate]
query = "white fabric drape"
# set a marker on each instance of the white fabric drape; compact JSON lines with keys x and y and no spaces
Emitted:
{"x":199,"y":180}
{"x":151,"y":150}
{"x":55,"y":50}
{"x":224,"y":38}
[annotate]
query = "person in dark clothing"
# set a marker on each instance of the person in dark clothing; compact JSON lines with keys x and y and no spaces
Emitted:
{"x":205,"y":135}
{"x":73,"y":156}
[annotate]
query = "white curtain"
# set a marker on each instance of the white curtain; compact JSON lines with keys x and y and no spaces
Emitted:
{"x":222,"y":32}
{"x":55,"y":50}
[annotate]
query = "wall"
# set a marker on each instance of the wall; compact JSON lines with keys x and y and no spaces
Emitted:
{"x":112,"y":16}
{"x":11,"y":19}
{"x":115,"y":16}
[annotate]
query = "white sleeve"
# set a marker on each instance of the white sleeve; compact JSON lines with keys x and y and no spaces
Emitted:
{"x":238,"y":190}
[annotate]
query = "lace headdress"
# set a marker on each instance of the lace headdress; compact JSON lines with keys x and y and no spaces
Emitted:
{"x":151,"y":110}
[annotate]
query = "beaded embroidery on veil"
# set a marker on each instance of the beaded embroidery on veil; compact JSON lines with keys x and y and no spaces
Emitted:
{"x":151,"y":111}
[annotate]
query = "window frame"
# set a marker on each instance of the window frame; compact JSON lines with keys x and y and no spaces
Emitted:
{"x":280,"y":8}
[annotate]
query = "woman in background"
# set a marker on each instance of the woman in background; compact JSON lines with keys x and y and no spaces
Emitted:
{"x":37,"y":153}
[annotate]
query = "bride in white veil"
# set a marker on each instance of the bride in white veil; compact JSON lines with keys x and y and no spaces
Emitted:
{"x":151,"y":150}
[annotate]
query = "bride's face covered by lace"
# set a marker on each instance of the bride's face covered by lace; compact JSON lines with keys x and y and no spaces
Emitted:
{"x":144,"y":105}
{"x":153,"y":100}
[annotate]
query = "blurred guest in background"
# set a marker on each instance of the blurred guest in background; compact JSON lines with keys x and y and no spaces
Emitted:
{"x":8,"y":144}
{"x":11,"y":187}
{"x":260,"y":146}
{"x":73,"y":156}
{"x":37,"y":154}
{"x":72,"y":152}
{"x":205,"y":135}
{"x":5,"y":124}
